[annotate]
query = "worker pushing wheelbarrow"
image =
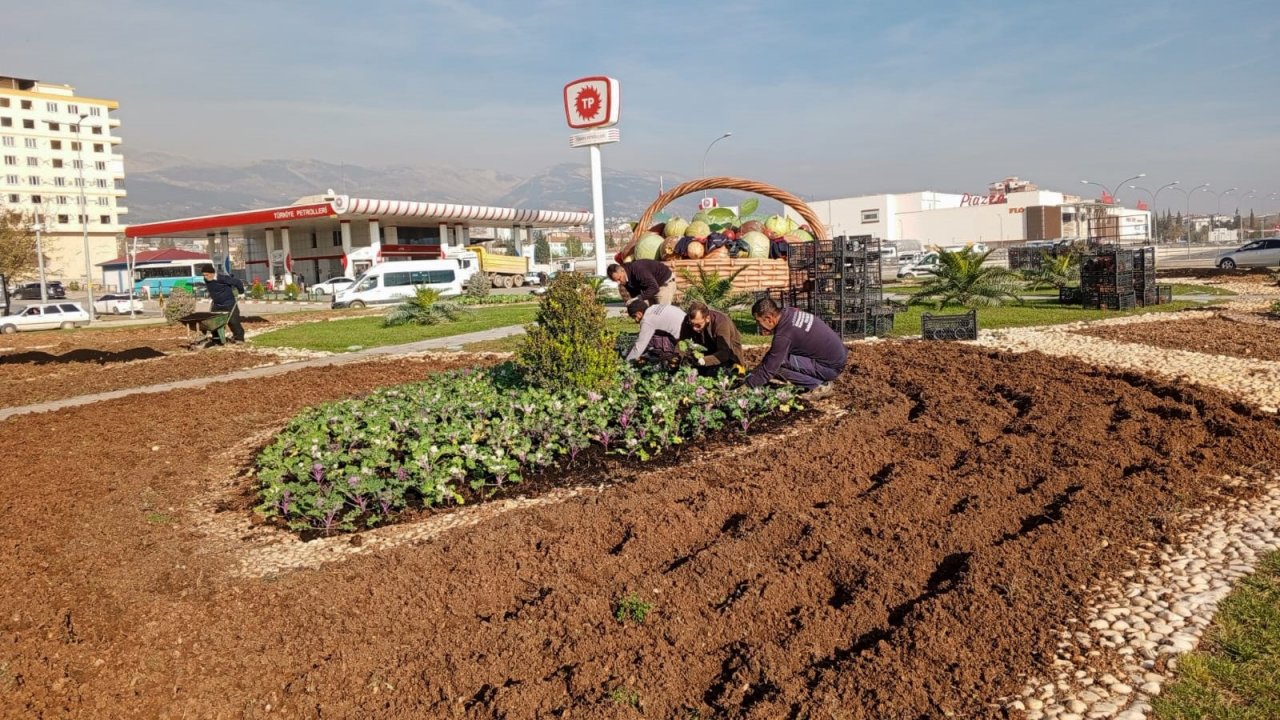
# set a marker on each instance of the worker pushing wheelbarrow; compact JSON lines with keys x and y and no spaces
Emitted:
{"x":224,"y":310}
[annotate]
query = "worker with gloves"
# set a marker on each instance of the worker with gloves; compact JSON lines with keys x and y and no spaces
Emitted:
{"x":716,"y":332}
{"x":222,"y":298}
{"x":659,"y":330}
{"x":804,"y":351}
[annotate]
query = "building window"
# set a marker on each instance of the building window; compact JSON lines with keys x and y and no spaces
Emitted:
{"x":64,"y":219}
{"x":13,"y":197}
{"x":870,"y":216}
{"x":99,"y":165}
{"x":55,"y":144}
{"x":101,"y":182}
{"x":29,"y":124}
{"x":26,"y":104}
{"x":57,"y":163}
{"x":33,"y":162}
{"x":36,"y":200}
{"x":97,"y":147}
{"x":6,"y":122}
{"x":60,"y":182}
{"x":62,"y":199}
{"x":11,"y":179}
{"x":4,"y":102}
{"x":337,"y":238}
{"x":31,"y":143}
{"x":34,"y":180}
{"x":104,"y":219}
{"x":104,"y":201}
{"x":10,"y":159}
{"x":54,"y":126}
{"x":51,"y":106}
{"x":75,"y":145}
{"x":97,"y":130}
{"x":77,"y":164}
{"x":315,"y":242}
{"x":8,"y":141}
{"x":95,"y":111}
{"x":73,"y":109}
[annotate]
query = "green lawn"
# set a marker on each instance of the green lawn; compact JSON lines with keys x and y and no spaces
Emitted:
{"x":1236,"y":673}
{"x":365,"y":332}
{"x":907,"y":324}
{"x":1178,"y":289}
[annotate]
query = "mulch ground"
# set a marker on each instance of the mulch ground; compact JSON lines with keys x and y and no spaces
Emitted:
{"x":907,"y":554}
{"x":1255,"y":336}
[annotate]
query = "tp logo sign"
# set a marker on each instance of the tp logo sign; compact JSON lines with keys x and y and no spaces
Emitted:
{"x":591,"y":102}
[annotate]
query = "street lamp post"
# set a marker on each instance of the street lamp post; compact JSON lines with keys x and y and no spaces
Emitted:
{"x":1153,"y":196}
{"x":708,"y":151}
{"x":1116,"y":191}
{"x":44,"y":293}
{"x":84,"y":216}
{"x":1239,"y":219}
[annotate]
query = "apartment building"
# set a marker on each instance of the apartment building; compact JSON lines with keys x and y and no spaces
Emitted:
{"x":60,"y":164}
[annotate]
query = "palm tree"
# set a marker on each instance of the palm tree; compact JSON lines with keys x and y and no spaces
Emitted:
{"x":1056,"y":270}
{"x":424,"y":307}
{"x":715,"y":291}
{"x":961,"y":278}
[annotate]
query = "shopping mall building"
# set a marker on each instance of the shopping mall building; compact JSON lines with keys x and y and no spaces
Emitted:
{"x":1009,"y":211}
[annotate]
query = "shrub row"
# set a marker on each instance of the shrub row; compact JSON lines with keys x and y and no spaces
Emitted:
{"x":359,"y":462}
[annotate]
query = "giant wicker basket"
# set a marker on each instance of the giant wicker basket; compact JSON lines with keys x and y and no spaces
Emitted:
{"x":818,"y":230}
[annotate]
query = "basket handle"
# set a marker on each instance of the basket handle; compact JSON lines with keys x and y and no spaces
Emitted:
{"x":723,"y":183}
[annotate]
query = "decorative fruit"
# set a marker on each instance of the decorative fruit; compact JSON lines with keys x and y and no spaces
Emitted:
{"x":758,"y":242}
{"x":721,"y":251}
{"x":669,"y":248}
{"x":675,"y":227}
{"x":777,"y":226}
{"x":696,"y":250}
{"x":751,"y":226}
{"x":798,"y":235}
{"x":658,"y":229}
{"x":648,"y":245}
{"x":698,"y":229}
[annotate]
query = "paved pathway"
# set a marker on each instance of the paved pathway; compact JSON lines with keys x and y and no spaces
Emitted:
{"x":452,"y":342}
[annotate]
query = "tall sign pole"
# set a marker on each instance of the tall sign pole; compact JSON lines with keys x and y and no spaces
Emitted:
{"x":591,"y":105}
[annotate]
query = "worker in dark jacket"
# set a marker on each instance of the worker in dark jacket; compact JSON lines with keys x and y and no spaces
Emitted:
{"x":222,"y":297}
{"x":716,"y":332}
{"x":805,"y":351}
{"x":648,"y":280}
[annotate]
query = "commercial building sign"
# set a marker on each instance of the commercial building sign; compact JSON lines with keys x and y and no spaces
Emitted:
{"x":591,"y":102}
{"x":995,"y":198}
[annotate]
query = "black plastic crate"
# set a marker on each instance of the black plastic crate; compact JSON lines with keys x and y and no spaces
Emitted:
{"x":1069,"y":295}
{"x":1111,"y":261}
{"x":1164,"y":294}
{"x":949,"y":327}
{"x":1110,"y":301}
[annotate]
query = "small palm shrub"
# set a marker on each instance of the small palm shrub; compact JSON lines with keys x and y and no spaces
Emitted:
{"x":962,"y":278}
{"x":1058,"y":271}
{"x":424,"y":307}
{"x":714,"y":290}
{"x":569,"y":346}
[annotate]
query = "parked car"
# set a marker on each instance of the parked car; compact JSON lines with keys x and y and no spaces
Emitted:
{"x":1259,"y":253}
{"x":48,"y":316}
{"x":332,"y":286}
{"x":31,"y":291}
{"x":116,"y":304}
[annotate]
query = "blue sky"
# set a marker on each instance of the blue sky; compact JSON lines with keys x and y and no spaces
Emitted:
{"x":826,"y":99}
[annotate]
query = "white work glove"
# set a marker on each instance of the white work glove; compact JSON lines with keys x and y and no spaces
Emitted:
{"x":702,"y":362}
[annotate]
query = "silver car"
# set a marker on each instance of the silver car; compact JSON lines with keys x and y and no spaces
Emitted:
{"x":1259,"y":253}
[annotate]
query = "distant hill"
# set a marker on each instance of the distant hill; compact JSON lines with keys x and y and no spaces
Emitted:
{"x":164,"y":187}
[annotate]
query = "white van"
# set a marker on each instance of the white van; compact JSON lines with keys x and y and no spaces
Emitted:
{"x":392,"y":281}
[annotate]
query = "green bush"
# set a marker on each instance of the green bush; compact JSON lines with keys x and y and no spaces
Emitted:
{"x":1275,"y":308}
{"x":494,"y":299}
{"x":569,"y":346}
{"x":257,"y":291}
{"x":74,"y":286}
{"x":291,"y":292}
{"x":180,"y":302}
{"x":478,"y":286}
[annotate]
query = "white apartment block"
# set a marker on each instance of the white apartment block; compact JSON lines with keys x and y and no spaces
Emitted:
{"x":62,"y":167}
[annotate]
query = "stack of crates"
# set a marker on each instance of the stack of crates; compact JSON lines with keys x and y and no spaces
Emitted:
{"x":839,"y":281}
{"x":1107,"y":279}
{"x":1144,"y":276}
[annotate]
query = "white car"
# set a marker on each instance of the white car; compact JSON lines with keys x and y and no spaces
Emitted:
{"x":117,"y":304}
{"x":49,"y":316}
{"x":332,"y":286}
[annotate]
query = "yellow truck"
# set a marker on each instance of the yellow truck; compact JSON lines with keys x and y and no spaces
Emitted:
{"x":503,"y":270}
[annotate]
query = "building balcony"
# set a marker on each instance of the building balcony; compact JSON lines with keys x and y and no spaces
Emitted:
{"x":113,"y":122}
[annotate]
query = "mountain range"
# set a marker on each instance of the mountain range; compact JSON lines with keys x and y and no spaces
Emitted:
{"x":165,"y":187}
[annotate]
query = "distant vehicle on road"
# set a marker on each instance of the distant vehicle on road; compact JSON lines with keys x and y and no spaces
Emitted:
{"x":332,"y":286}
{"x":1259,"y":253}
{"x":31,"y":291}
{"x":157,"y":280}
{"x":48,"y":316}
{"x":116,"y":304}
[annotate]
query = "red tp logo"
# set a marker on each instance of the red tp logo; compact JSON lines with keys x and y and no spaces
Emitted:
{"x":591,"y":102}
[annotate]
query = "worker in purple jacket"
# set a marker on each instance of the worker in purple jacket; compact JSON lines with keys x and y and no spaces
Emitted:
{"x":805,"y":351}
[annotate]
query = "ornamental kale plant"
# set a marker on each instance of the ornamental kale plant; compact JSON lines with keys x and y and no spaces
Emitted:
{"x":358,"y":463}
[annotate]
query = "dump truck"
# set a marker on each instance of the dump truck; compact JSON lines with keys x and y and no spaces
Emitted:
{"x":503,"y":270}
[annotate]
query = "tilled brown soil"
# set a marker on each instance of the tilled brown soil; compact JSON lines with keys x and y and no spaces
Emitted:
{"x":1252,"y":336}
{"x":906,"y":555}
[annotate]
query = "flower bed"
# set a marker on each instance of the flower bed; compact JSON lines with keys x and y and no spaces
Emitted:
{"x":358,"y":463}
